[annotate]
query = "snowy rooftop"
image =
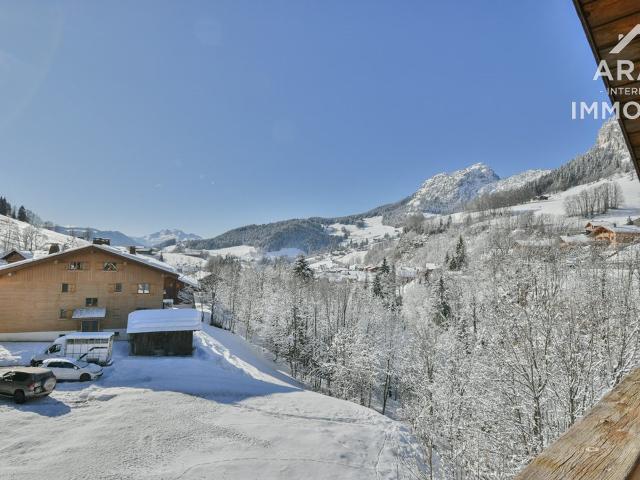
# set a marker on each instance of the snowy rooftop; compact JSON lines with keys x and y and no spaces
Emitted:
{"x":23,"y":253}
{"x":121,"y":252}
{"x":165,"y":320}
{"x":89,"y":335}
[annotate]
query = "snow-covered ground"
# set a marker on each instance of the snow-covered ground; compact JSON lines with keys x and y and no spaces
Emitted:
{"x":372,"y":230}
{"x":184,"y":263}
{"x":630,"y":206}
{"x":244,"y":252}
{"x":224,"y":413}
{"x":23,"y":236}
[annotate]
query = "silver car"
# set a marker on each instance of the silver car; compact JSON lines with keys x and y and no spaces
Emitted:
{"x":22,"y":383}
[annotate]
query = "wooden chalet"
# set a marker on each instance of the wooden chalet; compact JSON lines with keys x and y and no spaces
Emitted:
{"x":607,"y":23}
{"x":16,"y":256}
{"x":89,"y":288}
{"x":614,"y":234}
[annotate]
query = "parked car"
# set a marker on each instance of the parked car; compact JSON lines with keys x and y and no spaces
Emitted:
{"x":22,"y":383}
{"x":72,"y":369}
{"x":92,"y":347}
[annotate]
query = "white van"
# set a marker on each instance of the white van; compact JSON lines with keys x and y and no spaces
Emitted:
{"x":93,"y":347}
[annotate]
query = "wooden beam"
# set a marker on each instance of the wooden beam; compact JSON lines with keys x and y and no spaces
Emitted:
{"x":605,"y":444}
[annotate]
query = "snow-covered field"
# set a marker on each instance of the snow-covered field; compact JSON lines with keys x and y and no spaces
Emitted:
{"x":244,"y":252}
{"x":23,"y":236}
{"x":226,"y":413}
{"x":372,"y":230}
{"x":630,"y":206}
{"x":184,"y":263}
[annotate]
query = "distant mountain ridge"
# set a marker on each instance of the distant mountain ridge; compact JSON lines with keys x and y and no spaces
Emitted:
{"x":441,"y":194}
{"x":123,"y":240}
{"x":166,"y":236}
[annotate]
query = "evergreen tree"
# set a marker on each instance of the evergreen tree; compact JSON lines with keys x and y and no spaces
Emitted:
{"x":461,"y":253}
{"x":22,"y":214}
{"x":384,"y":268}
{"x":301,"y":268}
{"x":377,"y":286}
{"x":443,"y":309}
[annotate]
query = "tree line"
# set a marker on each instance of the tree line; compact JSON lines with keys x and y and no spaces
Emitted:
{"x":489,"y":359}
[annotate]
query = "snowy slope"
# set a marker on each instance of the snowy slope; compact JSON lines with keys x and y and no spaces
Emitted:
{"x":23,"y":236}
{"x":513,"y":182}
{"x":630,"y":207}
{"x":372,"y":230}
{"x":225,"y":413}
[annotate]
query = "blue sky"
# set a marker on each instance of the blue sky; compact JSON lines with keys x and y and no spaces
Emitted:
{"x":210,"y":115}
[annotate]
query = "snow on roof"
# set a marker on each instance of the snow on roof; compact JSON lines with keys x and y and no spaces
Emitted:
{"x":165,"y":320}
{"x":89,"y":312}
{"x":24,"y":253}
{"x":188,"y":281}
{"x":89,"y":335}
{"x":119,"y":251}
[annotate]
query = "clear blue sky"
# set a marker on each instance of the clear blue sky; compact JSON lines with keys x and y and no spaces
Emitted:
{"x":210,"y":115}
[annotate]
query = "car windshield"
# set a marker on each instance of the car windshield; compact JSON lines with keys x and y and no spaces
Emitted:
{"x":81,"y":364}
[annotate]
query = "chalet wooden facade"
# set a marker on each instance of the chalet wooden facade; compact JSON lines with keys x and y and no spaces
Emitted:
{"x":88,"y":288}
{"x":615,"y":234}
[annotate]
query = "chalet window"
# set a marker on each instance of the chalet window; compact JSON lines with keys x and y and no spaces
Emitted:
{"x":90,"y":302}
{"x":65,"y":288}
{"x":77,"y":266}
{"x":110,"y":267}
{"x":143,"y":288}
{"x":63,"y":313}
{"x":117,"y":288}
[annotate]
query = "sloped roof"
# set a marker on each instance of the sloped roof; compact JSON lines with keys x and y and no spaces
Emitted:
{"x":140,"y":259}
{"x":23,"y":253}
{"x":164,"y":320}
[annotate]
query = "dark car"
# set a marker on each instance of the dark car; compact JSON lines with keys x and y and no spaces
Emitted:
{"x":22,"y":383}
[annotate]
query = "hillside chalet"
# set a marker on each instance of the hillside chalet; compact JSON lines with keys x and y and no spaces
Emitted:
{"x":614,"y":234}
{"x":15,"y":256}
{"x":89,"y":288}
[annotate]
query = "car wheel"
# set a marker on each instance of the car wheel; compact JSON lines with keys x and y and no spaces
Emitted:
{"x":85,"y":377}
{"x":19,"y":397}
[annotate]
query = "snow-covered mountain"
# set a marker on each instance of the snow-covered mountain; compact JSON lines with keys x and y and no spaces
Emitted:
{"x":446,"y":192}
{"x":515,"y":181}
{"x":167,"y":236}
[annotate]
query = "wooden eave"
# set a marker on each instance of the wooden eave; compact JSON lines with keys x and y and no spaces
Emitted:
{"x":603,"y":22}
{"x":604,"y":444}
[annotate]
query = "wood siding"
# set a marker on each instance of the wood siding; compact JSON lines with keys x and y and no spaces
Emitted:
{"x":31,"y":298}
